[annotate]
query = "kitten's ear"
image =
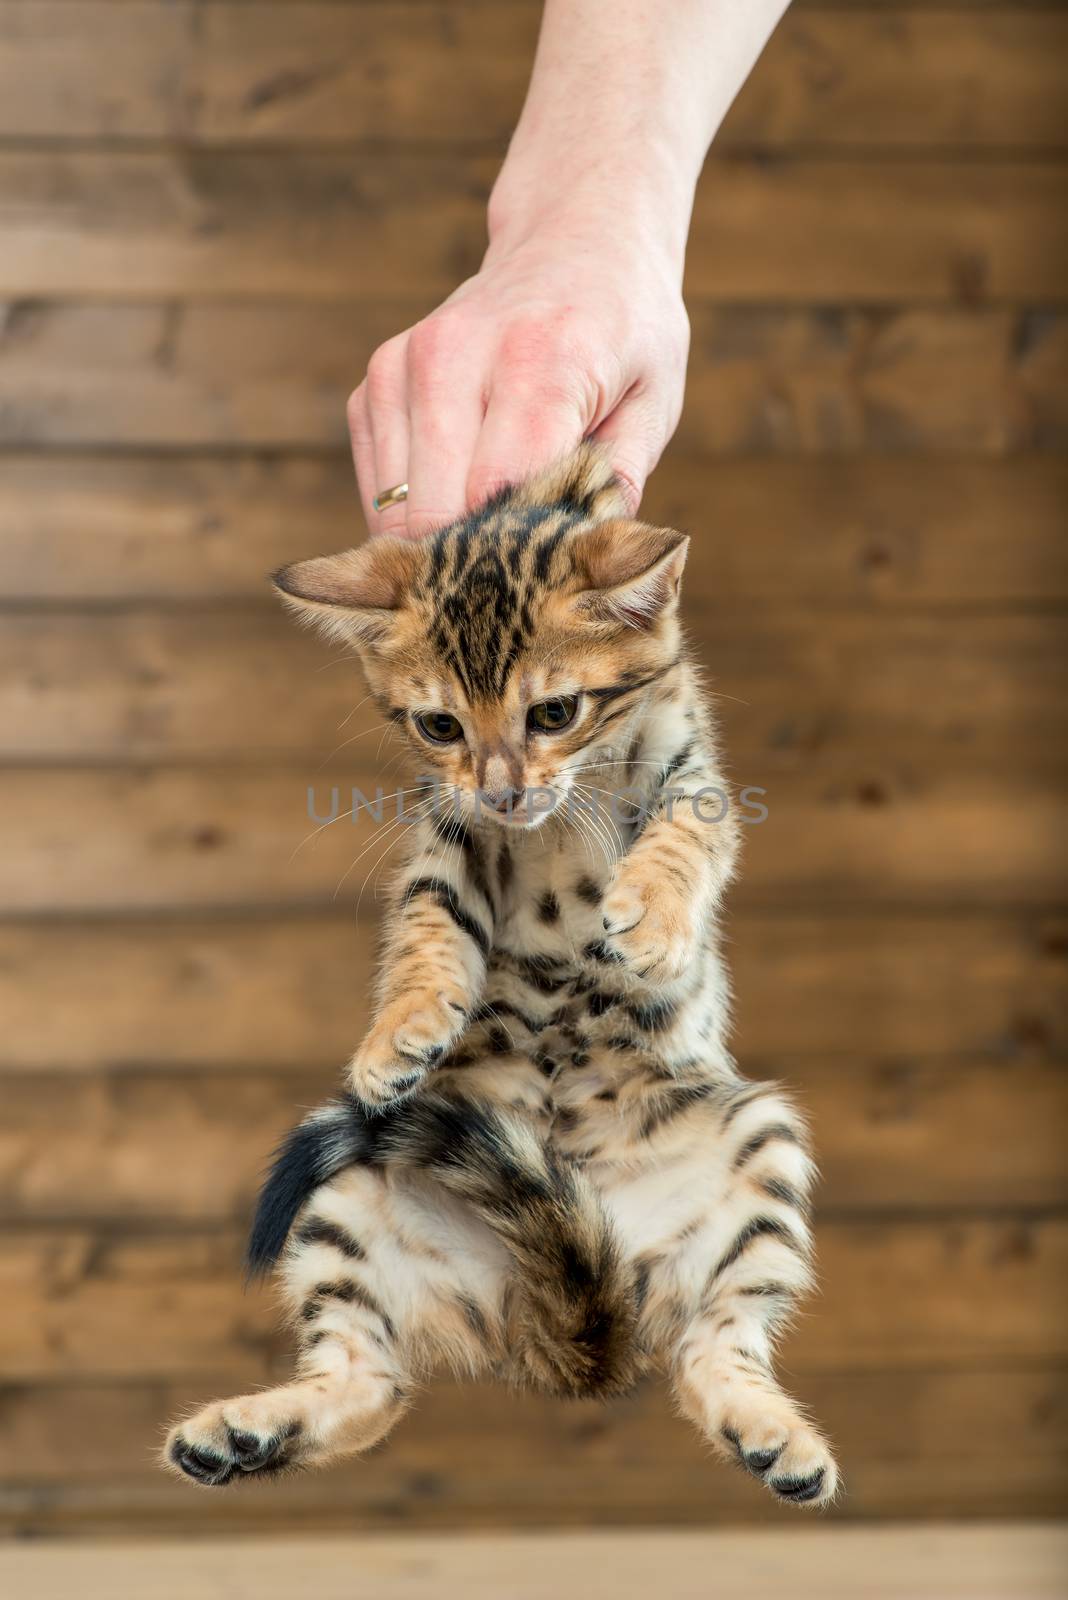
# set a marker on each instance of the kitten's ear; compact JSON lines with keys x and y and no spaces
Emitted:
{"x":355,"y":594}
{"x":629,"y":572}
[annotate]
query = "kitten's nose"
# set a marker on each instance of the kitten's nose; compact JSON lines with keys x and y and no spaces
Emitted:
{"x":500,"y":783}
{"x":503,"y":799}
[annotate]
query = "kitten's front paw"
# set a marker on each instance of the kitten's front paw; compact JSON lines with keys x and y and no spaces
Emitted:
{"x":651,"y":925}
{"x":409,"y":1038}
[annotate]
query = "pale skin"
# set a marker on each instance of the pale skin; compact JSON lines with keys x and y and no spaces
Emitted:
{"x":574,"y":326}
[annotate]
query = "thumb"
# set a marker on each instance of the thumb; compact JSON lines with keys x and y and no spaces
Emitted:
{"x":635,"y":435}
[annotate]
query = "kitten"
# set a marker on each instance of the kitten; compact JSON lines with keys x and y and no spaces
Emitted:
{"x":546,"y":1164}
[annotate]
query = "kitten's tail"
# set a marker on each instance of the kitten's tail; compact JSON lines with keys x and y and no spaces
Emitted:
{"x":573,"y":1317}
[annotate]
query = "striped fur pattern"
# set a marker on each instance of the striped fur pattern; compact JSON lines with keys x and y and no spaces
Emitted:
{"x":545,"y":1165}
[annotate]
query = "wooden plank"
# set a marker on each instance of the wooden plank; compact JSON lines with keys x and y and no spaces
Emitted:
{"x":895,"y":77}
{"x":489,"y":1458}
{"x":845,"y":382}
{"x":972,"y":690}
{"x":906,"y":78}
{"x":778,"y":531}
{"x":875,"y":833}
{"x":273,"y":994}
{"x":93,"y":70}
{"x":202,"y":224}
{"x":160,"y":1144}
{"x":762,"y":381}
{"x":989,"y":1563}
{"x":964,"y":1292}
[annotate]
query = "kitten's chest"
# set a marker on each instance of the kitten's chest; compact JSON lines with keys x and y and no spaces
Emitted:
{"x":550,"y":899}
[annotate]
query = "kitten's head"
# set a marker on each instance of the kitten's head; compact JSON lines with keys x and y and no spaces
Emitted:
{"x":514,"y":646}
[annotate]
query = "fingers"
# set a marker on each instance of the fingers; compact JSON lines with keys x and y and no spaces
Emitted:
{"x":525,"y":428}
{"x":445,"y":415}
{"x":383,"y":462}
{"x":361,"y":437}
{"x":419,"y":416}
{"x":635,"y":435}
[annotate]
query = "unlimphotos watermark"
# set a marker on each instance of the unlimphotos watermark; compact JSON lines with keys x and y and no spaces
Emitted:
{"x":710,"y":804}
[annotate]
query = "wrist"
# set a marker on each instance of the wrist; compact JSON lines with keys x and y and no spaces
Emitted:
{"x":632,"y":203}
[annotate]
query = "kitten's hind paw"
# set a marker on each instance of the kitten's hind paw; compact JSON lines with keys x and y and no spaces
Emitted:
{"x":794,"y":1463}
{"x":214,"y":1447}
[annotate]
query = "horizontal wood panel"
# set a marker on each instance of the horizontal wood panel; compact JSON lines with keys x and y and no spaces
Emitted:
{"x":491,"y":1457}
{"x":786,"y":532}
{"x":164,"y":1144}
{"x":879,"y":833}
{"x":203,"y":224}
{"x":985,"y":1561}
{"x":971,"y":692}
{"x":895,"y":77}
{"x":845,"y":382}
{"x":271,"y":994}
{"x":963,"y":1292}
{"x":868,"y":462}
{"x":762,"y":381}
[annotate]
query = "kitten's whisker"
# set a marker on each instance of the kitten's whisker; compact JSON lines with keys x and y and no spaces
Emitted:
{"x":365,"y":733}
{"x":610,"y":819}
{"x":341,"y":661}
{"x":396,"y":830}
{"x":398,"y":822}
{"x":613,"y":850}
{"x":322,"y":827}
{"x":346,"y":720}
{"x":592,"y":836}
{"x":591,"y":831}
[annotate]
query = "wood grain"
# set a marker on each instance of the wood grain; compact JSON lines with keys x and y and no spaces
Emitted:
{"x":968,"y":690}
{"x":763,"y":381}
{"x":893,"y":77}
{"x":85,"y":1452}
{"x":875,"y":832}
{"x":163,"y":1144}
{"x":809,"y":533}
{"x":273,"y":994}
{"x":993,"y":1562}
{"x":213,"y":211}
{"x":964,"y":1292}
{"x":202,"y":224}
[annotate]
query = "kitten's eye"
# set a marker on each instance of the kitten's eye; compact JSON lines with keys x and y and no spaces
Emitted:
{"x":552,"y":715}
{"x":441,"y":726}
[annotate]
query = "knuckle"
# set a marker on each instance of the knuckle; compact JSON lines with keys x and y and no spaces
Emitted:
{"x":431,"y":343}
{"x":354,"y":406}
{"x":384,"y":381}
{"x":525,"y":342}
{"x":550,"y":346}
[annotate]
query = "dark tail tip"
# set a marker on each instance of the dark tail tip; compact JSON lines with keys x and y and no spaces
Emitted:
{"x":308,"y":1156}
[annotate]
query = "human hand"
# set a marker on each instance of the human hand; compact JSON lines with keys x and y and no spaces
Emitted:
{"x":574,"y":327}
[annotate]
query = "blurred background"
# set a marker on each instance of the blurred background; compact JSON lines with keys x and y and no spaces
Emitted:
{"x":210,"y":213}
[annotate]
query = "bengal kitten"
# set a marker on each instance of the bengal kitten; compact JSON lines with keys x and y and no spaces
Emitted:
{"x":546,"y":1165}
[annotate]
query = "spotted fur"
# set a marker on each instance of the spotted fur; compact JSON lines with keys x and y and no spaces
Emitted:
{"x":546,"y":1164}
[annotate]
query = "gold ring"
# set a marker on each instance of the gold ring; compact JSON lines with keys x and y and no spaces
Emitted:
{"x":390,"y":497}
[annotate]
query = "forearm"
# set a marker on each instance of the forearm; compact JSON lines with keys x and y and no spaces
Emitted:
{"x":433,"y":966}
{"x":624,"y":101}
{"x":574,"y":326}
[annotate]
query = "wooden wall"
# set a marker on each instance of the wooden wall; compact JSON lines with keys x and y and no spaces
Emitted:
{"x":210,"y":212}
